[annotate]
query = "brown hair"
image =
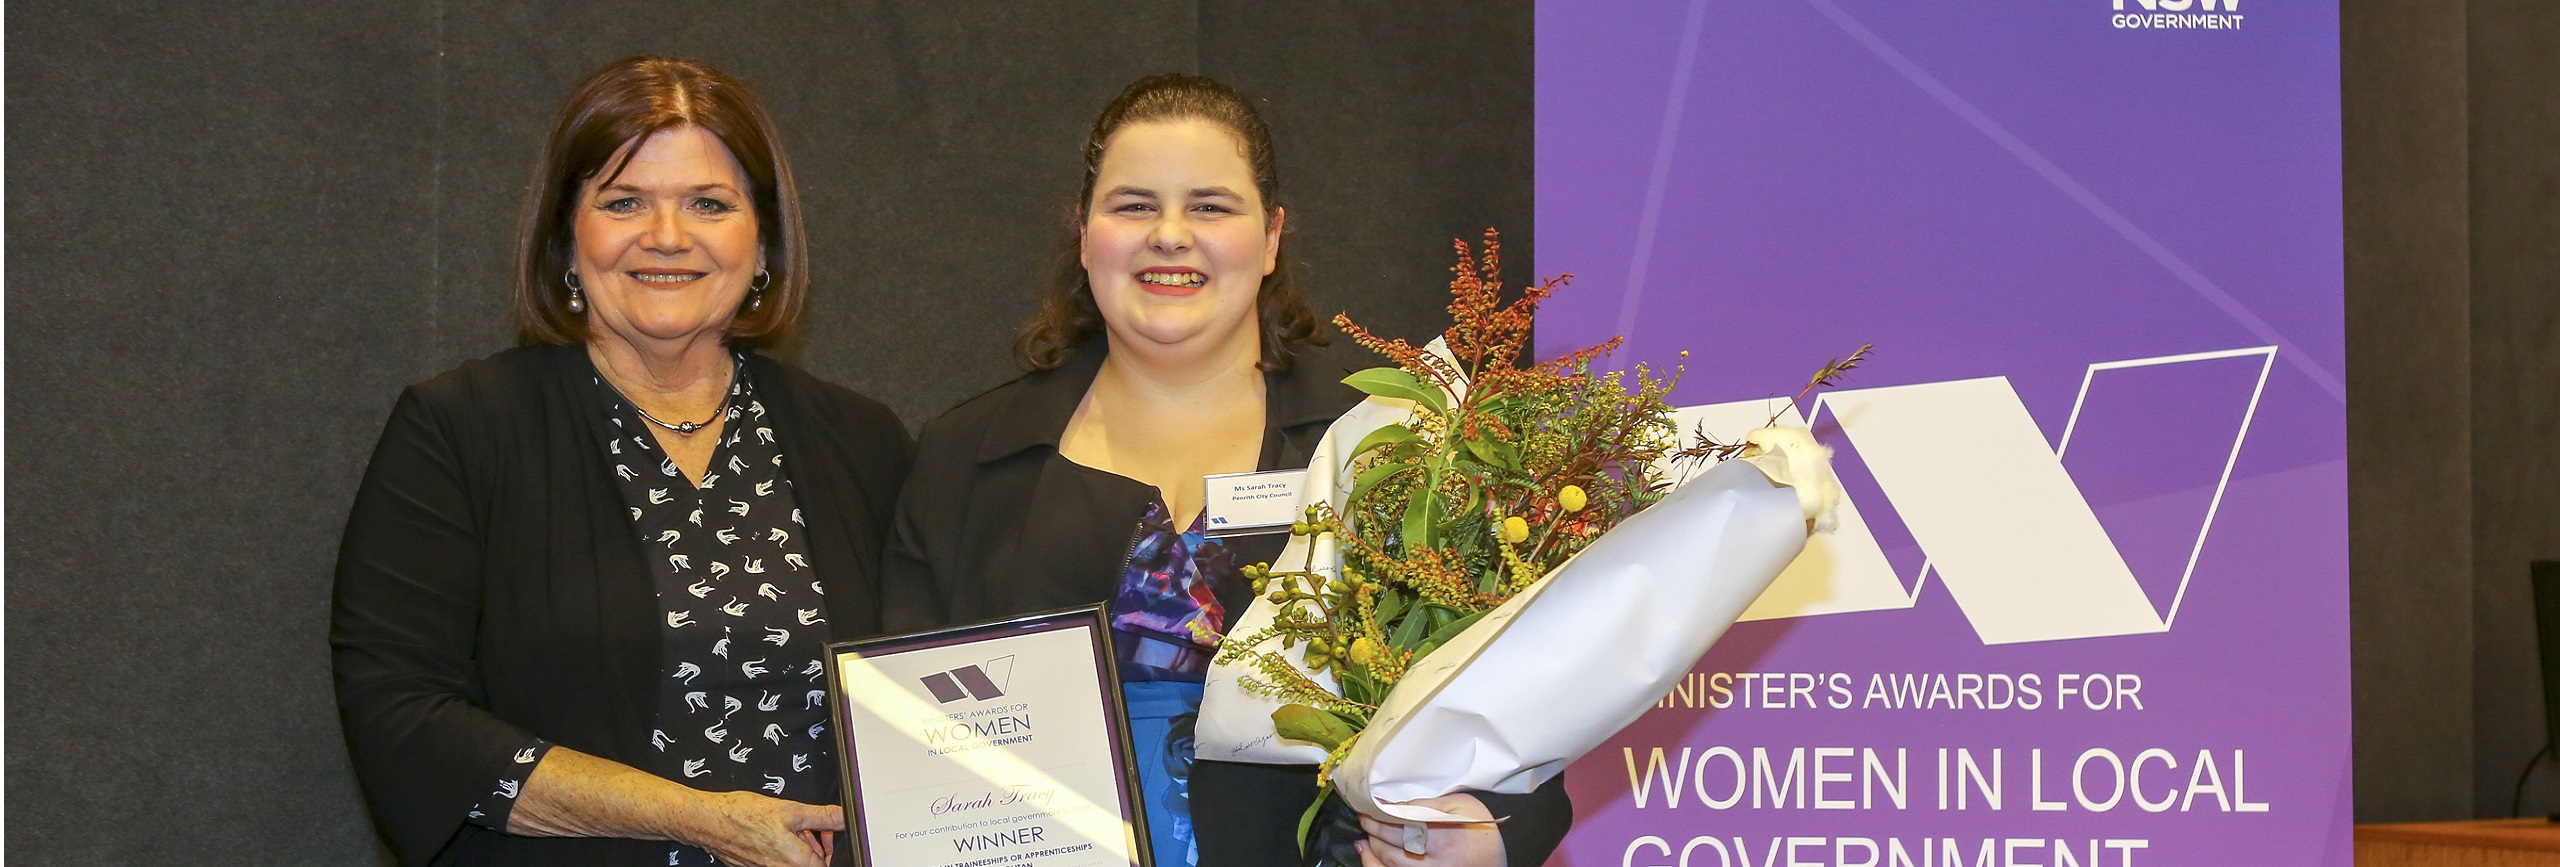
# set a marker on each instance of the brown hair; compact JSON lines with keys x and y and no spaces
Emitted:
{"x":1068,"y":316}
{"x":626,"y":102}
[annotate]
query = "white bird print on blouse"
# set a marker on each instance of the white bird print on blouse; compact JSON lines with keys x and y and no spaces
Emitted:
{"x":748,"y":538}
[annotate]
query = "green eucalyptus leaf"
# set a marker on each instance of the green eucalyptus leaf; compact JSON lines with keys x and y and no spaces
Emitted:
{"x":1370,"y":477}
{"x":1395,"y":382}
{"x":1394,"y":433}
{"x":1416,"y":625}
{"x":1450,"y":630}
{"x":1390,"y":604}
{"x":1417,"y":520}
{"x":1299,"y":722}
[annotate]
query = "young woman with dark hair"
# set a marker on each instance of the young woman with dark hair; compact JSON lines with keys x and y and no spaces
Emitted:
{"x":1171,"y":344}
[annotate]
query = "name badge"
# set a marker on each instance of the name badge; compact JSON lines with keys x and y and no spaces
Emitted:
{"x":1247,"y":503}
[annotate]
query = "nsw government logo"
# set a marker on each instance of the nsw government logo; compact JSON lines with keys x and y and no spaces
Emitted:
{"x":2175,"y":14}
{"x":981,"y":682}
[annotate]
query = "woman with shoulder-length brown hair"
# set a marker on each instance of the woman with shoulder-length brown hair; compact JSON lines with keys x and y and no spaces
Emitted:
{"x":586,"y":584}
{"x":1171,"y":344}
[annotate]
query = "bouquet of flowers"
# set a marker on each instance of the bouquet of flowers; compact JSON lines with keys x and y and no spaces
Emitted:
{"x":1465,"y":489}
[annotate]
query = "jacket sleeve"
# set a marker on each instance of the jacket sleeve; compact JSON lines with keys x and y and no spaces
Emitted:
{"x":1537,"y":824}
{"x":401,"y":636}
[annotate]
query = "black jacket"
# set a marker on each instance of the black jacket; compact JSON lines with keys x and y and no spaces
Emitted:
{"x":995,"y":522}
{"x":490,"y":587}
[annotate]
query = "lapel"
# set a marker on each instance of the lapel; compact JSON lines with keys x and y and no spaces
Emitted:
{"x":841,"y":518}
{"x":1064,"y":552}
{"x":586,"y":506}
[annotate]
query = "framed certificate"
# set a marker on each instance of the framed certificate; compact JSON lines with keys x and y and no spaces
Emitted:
{"x":995,"y":743}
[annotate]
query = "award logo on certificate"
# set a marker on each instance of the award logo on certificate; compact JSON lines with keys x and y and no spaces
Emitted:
{"x":997,"y":743}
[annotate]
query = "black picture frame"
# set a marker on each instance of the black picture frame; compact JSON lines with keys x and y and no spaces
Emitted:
{"x":1091,"y":618}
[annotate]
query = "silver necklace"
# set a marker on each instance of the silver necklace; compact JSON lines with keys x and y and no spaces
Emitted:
{"x":689,"y":428}
{"x":686,"y":428}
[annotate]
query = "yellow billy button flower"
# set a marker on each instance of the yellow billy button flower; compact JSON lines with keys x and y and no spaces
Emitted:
{"x":1364,"y":651}
{"x":1572,"y":498}
{"x":1515,"y":530}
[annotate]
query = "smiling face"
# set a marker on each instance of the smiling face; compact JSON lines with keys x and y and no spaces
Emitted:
{"x":1176,"y":240}
{"x":667,"y":250}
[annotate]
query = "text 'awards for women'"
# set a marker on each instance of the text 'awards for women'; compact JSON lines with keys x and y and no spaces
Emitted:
{"x":996,"y":743}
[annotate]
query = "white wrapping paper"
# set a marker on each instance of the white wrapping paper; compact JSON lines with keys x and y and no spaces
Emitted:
{"x":1560,"y":667}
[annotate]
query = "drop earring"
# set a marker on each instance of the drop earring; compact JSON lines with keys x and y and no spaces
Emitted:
{"x":755,"y":291}
{"x":577,"y":304}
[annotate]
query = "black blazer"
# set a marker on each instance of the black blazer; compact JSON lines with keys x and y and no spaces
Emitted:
{"x":490,"y":587}
{"x":995,"y":522}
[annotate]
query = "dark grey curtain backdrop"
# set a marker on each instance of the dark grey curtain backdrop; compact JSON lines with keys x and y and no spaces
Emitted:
{"x":237,"y":229}
{"x":2453,"y":406}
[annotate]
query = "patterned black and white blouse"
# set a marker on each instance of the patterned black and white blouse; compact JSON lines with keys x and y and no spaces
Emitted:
{"x":743,"y":703}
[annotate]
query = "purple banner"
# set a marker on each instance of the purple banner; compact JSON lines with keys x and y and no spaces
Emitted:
{"x":2088,"y":604}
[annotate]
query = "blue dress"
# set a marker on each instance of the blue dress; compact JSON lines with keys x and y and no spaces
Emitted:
{"x":1165,"y":625}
